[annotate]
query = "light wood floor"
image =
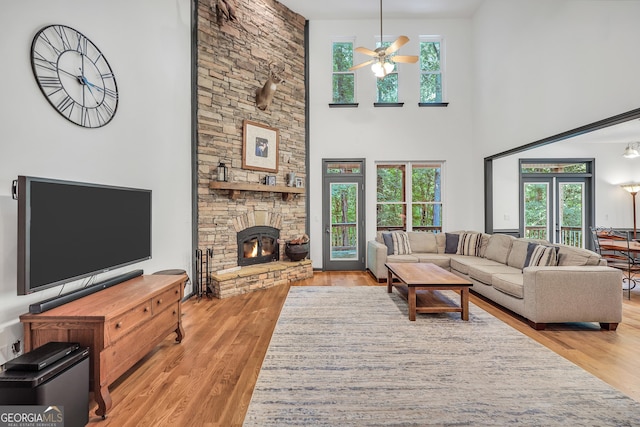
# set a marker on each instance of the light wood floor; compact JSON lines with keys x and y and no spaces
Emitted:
{"x":207,"y":380}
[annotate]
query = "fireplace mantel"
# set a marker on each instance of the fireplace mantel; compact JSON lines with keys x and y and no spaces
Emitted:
{"x":236,"y":188}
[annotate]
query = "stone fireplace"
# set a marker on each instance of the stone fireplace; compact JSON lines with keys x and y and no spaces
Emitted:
{"x":226,"y":97}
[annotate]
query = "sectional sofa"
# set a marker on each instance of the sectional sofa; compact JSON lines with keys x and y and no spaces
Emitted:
{"x":544,"y":283}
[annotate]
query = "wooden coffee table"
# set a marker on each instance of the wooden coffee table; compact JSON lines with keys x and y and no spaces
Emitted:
{"x":417,"y":276}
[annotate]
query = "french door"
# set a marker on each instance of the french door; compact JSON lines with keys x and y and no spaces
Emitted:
{"x":343,"y":216}
{"x":555,"y":205}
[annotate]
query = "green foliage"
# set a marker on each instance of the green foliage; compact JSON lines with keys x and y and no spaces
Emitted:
{"x":535,"y":202}
{"x":426,"y":206}
{"x":344,"y":203}
{"x":388,"y":88}
{"x":343,"y":88}
{"x":430,"y":56}
{"x":343,"y":80}
{"x":342,"y":56}
{"x":431,"y":77}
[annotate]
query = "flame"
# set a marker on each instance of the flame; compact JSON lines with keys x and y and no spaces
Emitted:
{"x":253,"y":250}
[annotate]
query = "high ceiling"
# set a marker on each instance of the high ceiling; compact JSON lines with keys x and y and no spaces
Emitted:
{"x":370,"y":9}
{"x":425,"y":9}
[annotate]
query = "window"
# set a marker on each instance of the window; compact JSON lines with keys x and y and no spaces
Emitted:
{"x":431,"y":64}
{"x":387,"y":87}
{"x":343,"y":80}
{"x":414,"y":187}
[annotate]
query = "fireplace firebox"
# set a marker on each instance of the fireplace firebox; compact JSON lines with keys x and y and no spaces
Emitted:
{"x":257,"y":245}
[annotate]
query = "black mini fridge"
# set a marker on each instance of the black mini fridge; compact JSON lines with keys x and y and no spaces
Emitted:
{"x":54,"y":375}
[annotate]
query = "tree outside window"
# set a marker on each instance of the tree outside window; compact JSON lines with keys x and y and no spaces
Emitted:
{"x":387,"y":86}
{"x":343,"y":79}
{"x":412,"y":185}
{"x":431,"y":60}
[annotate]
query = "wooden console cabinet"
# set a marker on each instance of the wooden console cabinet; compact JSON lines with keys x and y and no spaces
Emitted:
{"x":120,"y":325}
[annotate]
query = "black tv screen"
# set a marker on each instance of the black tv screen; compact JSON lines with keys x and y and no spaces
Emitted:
{"x":70,"y":230}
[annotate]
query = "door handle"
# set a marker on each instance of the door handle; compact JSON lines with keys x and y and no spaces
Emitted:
{"x":327,"y":230}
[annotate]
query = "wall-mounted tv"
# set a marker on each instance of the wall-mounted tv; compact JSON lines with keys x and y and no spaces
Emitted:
{"x":71,"y":230}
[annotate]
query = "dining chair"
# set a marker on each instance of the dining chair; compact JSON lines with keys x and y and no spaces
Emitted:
{"x":619,"y":255}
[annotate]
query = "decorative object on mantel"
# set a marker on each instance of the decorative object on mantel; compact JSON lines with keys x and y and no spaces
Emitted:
{"x":225,"y":11}
{"x":631,"y":152}
{"x":259,"y":147}
{"x":236,"y":188}
{"x":299,"y":183}
{"x":633,"y":190}
{"x":297,"y":249}
{"x":291,"y":179}
{"x":270,"y":180}
{"x":264,"y":95}
{"x":223,"y":172}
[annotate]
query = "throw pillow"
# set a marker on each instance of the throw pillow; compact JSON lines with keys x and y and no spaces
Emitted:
{"x":400,"y":243}
{"x":469,"y":244}
{"x":388,"y":241}
{"x":451,"y":244}
{"x":530,"y":247}
{"x":543,"y":256}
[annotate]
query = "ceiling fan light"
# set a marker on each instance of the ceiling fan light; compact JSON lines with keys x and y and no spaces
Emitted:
{"x":378,"y":69}
{"x":388,"y":67}
{"x":631,"y":152}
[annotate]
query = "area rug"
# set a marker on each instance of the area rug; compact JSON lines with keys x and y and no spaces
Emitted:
{"x":349,"y":356}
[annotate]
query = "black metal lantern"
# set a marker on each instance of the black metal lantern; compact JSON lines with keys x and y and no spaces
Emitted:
{"x":223,"y":172}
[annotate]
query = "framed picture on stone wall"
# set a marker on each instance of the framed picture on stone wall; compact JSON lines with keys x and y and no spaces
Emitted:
{"x":259,"y":147}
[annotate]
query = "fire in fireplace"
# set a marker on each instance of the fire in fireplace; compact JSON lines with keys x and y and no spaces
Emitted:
{"x":257,"y":245}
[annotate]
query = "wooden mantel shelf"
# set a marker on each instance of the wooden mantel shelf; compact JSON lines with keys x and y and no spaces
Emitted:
{"x":235,"y":188}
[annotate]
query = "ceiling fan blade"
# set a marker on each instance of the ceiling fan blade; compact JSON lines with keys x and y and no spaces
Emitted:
{"x":364,"y":64}
{"x":366,"y":51}
{"x":410,"y":59}
{"x":400,"y":41}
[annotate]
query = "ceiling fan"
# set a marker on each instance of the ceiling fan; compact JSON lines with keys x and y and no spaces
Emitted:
{"x":382,"y":62}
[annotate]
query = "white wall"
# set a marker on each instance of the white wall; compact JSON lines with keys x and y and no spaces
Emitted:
{"x":147,"y":144}
{"x":542,"y":67}
{"x":613,"y":203}
{"x":392,"y":134}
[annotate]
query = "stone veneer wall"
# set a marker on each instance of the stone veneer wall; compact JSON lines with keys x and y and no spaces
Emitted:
{"x":232,"y":62}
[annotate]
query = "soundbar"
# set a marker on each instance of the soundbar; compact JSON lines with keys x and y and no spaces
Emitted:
{"x":48,"y":304}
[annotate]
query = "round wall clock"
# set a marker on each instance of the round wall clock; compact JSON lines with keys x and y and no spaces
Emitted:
{"x":74,"y":76}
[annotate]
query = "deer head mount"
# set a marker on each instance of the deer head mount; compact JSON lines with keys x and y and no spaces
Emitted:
{"x":264,"y":95}
{"x":225,"y":11}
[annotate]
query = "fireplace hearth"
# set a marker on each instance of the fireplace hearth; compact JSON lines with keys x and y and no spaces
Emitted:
{"x":257,"y":245}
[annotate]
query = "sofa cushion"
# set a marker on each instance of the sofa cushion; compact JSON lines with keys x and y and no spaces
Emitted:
{"x":542,"y":256}
{"x":483,"y":245}
{"x":518,"y":253}
{"x":510,"y":284}
{"x":388,"y":242}
{"x":469,"y":244}
{"x":483,"y":273}
{"x":451,"y":245}
{"x":424,"y":242}
{"x":462,"y":263}
{"x":498,"y":247}
{"x":569,"y":255}
{"x":441,"y":241}
{"x":441,"y":260}
{"x":401,"y":244}
{"x":402,"y":258}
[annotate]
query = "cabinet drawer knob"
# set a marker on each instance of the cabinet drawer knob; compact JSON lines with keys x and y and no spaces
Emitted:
{"x":146,"y":309}
{"x":118,"y":325}
{"x":159,"y":301}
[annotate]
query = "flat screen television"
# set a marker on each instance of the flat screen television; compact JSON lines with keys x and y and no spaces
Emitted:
{"x":71,"y":230}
